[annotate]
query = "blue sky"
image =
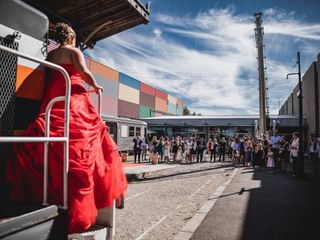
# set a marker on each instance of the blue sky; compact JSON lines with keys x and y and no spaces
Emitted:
{"x":204,"y":51}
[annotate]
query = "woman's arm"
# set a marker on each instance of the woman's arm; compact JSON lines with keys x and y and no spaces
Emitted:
{"x":80,"y":65}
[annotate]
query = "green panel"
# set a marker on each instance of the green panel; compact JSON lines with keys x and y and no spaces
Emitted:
{"x":153,"y":113}
{"x":145,"y":112}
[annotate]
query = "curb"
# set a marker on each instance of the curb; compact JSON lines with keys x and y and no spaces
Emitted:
{"x":140,"y":175}
{"x":191,"y":226}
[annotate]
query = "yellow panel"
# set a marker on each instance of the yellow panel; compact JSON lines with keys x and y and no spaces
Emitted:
{"x":172,"y":99}
{"x":129,"y":94}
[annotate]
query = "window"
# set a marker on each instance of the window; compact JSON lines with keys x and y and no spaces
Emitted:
{"x":131,"y":131}
{"x":112,"y":129}
{"x":138,"y":131}
{"x":124,"y":131}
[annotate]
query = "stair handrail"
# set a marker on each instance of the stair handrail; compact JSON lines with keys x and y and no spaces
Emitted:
{"x":46,"y":139}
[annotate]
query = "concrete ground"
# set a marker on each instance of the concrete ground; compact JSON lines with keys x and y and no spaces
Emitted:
{"x":260,"y":205}
{"x":251,"y":204}
{"x":160,"y":204}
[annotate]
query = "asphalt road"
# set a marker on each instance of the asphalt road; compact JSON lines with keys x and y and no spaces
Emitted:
{"x":159,"y":206}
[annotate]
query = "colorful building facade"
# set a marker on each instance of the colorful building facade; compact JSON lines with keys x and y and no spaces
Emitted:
{"x":125,"y":96}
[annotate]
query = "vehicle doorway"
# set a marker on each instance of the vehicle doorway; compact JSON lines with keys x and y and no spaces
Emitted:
{"x":112,"y":130}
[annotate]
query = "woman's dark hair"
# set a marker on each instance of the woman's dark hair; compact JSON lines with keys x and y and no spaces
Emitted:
{"x":296,"y":134}
{"x":63,"y":32}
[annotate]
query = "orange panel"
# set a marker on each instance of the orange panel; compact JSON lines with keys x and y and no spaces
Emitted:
{"x":103,"y":70}
{"x":29,"y":83}
{"x":161,"y":105}
{"x":18,"y":133}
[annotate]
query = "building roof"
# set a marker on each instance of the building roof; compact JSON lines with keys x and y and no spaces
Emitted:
{"x":112,"y":118}
{"x":220,"y":120}
{"x":221,"y":117}
{"x":94,"y":20}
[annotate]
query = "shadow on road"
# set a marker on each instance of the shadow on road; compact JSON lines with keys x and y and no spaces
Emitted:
{"x":180,"y":174}
{"x":283,"y":208}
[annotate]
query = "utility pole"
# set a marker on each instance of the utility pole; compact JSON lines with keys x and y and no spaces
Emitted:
{"x":262,"y":80}
{"x":301,"y":146}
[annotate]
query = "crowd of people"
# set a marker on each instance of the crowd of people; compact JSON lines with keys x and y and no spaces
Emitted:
{"x":179,"y":149}
{"x":273,"y":153}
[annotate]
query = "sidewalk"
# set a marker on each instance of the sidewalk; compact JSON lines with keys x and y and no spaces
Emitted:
{"x":141,"y":170}
{"x":145,"y":169}
{"x":260,"y":205}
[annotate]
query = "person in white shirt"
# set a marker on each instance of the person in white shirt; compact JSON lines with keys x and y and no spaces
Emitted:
{"x":189,"y":144}
{"x":294,"y":152}
{"x":236,"y":151}
{"x":314,"y":153}
{"x":144,"y":148}
{"x":276,"y":140}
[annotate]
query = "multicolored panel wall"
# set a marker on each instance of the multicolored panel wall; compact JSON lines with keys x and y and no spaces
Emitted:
{"x":172,"y":105}
{"x":108,"y":78}
{"x":146,"y":111}
{"x":147,"y":101}
{"x":128,"y":109}
{"x":129,"y":96}
{"x":125,"y":96}
{"x":175,"y":105}
{"x":179,"y":107}
{"x":161,"y":105}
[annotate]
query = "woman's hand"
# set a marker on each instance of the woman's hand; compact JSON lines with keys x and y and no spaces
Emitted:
{"x":98,"y":89}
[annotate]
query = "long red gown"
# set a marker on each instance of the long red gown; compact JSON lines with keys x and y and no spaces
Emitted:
{"x":96,"y":175}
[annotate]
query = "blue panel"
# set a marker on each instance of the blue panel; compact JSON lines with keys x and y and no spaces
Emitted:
{"x":179,"y":110}
{"x":172,"y":108}
{"x":129,"y":81}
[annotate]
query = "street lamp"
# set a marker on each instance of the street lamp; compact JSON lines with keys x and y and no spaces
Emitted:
{"x":301,"y":160}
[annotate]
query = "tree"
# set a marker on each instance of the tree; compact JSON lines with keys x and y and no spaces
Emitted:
{"x":186,"y":111}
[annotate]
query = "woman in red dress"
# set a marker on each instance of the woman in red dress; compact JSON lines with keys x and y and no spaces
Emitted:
{"x":96,"y":176}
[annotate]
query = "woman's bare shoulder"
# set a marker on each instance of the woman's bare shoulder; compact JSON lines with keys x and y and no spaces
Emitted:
{"x":64,"y":50}
{"x":75,"y":50}
{"x":76,"y":54}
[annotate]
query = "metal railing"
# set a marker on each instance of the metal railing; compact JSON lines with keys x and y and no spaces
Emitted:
{"x":46,"y":139}
{"x":109,"y":215}
{"x":65,"y":139}
{"x":99,"y":107}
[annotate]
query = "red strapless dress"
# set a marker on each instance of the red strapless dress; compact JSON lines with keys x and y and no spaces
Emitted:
{"x":96,"y":175}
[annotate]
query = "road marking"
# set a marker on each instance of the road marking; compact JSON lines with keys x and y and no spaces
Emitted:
{"x":199,"y":189}
{"x":152,"y":227}
{"x":180,"y":205}
{"x":137,"y":195}
{"x":191,"y":226}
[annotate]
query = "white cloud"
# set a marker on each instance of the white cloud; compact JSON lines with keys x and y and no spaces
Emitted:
{"x":157,"y":32}
{"x":209,"y":59}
